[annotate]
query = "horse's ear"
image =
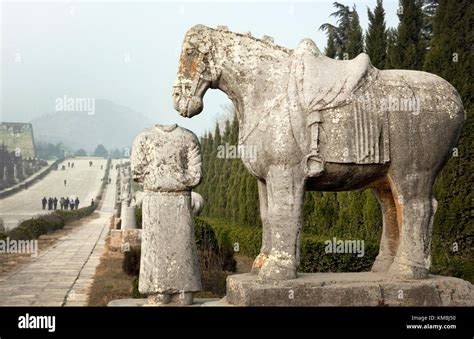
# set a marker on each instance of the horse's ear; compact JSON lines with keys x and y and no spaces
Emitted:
{"x":268,"y":39}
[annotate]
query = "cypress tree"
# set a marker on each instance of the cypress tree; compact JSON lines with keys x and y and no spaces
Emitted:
{"x":376,"y":37}
{"x":331,"y":49}
{"x":410,"y":46}
{"x":450,"y":56}
{"x":355,"y":41}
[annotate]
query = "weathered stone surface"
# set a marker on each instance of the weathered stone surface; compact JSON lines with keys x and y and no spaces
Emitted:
{"x":144,"y":302}
{"x":349,"y":289}
{"x":128,"y":220}
{"x":166,"y":160}
{"x":132,"y":238}
{"x":328,"y":125}
{"x":115,"y":239}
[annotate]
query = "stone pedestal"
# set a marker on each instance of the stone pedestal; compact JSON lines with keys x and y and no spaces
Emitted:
{"x":115,"y":239}
{"x":128,"y":216}
{"x":349,"y":289}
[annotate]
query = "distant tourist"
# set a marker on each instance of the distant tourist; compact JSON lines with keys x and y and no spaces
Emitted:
{"x":44,"y":202}
{"x":72,"y":165}
{"x":68,"y":164}
{"x":50,"y":203}
{"x":90,"y":163}
{"x":101,"y":166}
{"x":92,"y":202}
{"x":61,"y":203}
{"x":66,"y":204}
{"x":65,"y":182}
{"x":76,"y":202}
{"x":55,"y":203}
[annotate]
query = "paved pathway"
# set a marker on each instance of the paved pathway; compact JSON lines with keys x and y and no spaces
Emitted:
{"x":82,"y":181}
{"x":62,"y":275}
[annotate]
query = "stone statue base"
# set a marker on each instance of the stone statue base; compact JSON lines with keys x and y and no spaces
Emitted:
{"x":128,"y":217}
{"x":349,"y":289}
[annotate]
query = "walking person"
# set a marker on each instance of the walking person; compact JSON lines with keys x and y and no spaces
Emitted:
{"x":50,"y":203}
{"x":44,"y":202}
{"x":55,"y":203}
{"x":65,"y":182}
{"x":92,"y":202}
{"x":66,"y":204}
{"x":76,"y":202}
{"x":61,"y":203}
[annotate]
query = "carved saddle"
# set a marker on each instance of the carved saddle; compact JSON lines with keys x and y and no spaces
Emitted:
{"x":339,"y":95}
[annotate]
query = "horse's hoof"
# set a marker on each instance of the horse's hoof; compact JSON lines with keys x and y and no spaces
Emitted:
{"x":382,"y":264}
{"x":277,"y":268}
{"x":258,"y":263}
{"x":407,"y":271}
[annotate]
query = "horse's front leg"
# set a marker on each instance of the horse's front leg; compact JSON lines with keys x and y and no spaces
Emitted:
{"x":266,"y":231}
{"x":285,"y":189}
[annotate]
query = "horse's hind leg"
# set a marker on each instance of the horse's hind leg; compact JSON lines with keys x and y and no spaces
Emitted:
{"x":417,"y":206}
{"x":390,"y":230}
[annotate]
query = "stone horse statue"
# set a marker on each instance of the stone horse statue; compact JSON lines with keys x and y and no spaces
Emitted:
{"x":320,"y":124}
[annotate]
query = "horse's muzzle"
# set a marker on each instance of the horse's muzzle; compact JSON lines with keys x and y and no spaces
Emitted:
{"x":187,"y":106}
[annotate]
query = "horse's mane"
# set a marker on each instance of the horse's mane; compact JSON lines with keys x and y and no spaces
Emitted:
{"x":266,"y":42}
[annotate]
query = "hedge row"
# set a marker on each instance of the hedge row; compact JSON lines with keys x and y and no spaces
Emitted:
{"x":35,"y":227}
{"x":247,"y":240}
{"x":43,"y":224}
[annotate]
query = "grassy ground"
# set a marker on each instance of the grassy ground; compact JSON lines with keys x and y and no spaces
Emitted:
{"x":110,"y":281}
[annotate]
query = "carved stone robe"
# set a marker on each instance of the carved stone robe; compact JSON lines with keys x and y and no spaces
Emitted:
{"x":167,"y":161}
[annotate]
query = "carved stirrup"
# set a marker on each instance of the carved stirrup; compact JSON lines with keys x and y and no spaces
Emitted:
{"x":310,"y":170}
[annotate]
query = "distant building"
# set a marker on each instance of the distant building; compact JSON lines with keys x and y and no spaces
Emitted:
{"x":18,"y":158}
{"x":18,"y":136}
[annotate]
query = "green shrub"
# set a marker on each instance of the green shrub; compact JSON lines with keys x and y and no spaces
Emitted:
{"x":315,"y":259}
{"x":138,"y":216}
{"x":245,"y":240}
{"x":313,"y":255}
{"x":131,"y":261}
{"x":135,"y":292}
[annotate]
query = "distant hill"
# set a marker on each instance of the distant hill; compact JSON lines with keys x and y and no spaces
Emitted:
{"x":112,"y":125}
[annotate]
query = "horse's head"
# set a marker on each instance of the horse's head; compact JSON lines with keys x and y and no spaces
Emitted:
{"x":196,"y":72}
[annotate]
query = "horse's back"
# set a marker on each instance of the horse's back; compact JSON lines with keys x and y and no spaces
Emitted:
{"x":432,"y":93}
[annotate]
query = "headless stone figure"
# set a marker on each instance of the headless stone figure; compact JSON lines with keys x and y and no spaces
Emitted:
{"x":166,"y":160}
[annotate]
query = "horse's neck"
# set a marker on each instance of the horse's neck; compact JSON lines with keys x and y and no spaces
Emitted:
{"x":245,"y":62}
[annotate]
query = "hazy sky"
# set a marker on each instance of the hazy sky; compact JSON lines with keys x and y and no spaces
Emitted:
{"x":127,"y":52}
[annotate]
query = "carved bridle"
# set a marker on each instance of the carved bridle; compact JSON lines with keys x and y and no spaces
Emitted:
{"x":205,"y":61}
